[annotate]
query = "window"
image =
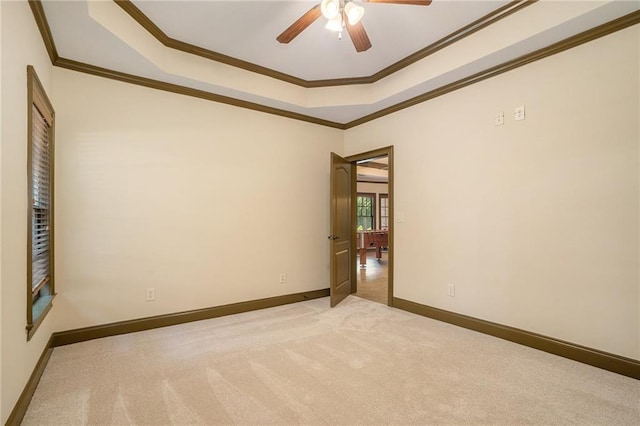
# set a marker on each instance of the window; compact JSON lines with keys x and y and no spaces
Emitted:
{"x":365,"y":211}
{"x":384,"y":211}
{"x":40,"y":138}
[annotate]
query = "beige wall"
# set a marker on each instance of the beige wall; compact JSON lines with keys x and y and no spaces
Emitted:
{"x":534,"y":222}
{"x":1,"y":97}
{"x":204,"y":202}
{"x":21,"y":45}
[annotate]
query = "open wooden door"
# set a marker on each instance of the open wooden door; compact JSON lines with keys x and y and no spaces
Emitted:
{"x":340,"y":246}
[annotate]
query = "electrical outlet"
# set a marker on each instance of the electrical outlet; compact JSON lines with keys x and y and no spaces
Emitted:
{"x":151,"y":294}
{"x":451,"y":290}
{"x":283,"y":278}
{"x":499,"y":118}
{"x":518,"y":113}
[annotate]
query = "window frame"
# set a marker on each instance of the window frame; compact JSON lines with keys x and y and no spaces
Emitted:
{"x":382,"y":196}
{"x":37,"y":308}
{"x":371,"y":195}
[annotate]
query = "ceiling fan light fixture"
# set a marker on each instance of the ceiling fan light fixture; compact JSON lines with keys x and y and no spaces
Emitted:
{"x":330,"y":8}
{"x":354,"y":12}
{"x":334,"y":24}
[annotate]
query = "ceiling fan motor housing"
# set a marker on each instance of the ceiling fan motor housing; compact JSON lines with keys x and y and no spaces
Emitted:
{"x":337,"y":12}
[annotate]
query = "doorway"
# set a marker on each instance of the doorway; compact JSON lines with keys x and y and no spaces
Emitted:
{"x":372,"y":214}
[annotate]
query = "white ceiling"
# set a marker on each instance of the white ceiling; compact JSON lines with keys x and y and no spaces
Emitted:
{"x":100,"y":33}
{"x":373,"y":170}
{"x":247,"y":30}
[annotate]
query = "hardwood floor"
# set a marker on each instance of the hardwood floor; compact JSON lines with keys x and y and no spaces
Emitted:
{"x":373,"y":280}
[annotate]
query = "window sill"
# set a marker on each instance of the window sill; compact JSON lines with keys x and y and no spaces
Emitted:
{"x":39,"y":312}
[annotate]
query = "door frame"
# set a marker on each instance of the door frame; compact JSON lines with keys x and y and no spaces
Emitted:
{"x":380,"y":152}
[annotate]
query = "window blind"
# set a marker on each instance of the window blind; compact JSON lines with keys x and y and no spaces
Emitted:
{"x":41,"y":192}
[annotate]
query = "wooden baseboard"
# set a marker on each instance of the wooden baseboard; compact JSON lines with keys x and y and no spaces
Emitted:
{"x":89,"y":333}
{"x":607,"y":361}
{"x":611,"y":362}
{"x":19,"y":410}
{"x":131,"y":326}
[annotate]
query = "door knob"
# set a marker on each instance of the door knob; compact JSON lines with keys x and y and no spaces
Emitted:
{"x":333,"y":237}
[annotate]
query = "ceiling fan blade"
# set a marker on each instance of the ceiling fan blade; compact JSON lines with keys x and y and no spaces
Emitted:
{"x":358,"y":36}
{"x":300,"y":25}
{"x":413,"y":2}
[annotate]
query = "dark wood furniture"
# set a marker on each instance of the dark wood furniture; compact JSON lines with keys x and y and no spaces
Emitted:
{"x":370,"y":239}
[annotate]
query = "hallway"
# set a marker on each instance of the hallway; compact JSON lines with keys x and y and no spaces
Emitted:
{"x":373,"y":280}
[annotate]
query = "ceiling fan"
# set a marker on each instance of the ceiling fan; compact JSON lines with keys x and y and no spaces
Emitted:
{"x":340,"y":14}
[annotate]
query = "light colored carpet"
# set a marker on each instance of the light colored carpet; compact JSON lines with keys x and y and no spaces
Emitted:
{"x":361,"y":363}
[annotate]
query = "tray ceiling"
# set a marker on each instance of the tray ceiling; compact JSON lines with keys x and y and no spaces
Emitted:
{"x":228,"y":48}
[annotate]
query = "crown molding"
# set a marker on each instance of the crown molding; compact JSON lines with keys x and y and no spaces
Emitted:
{"x":188,"y":91}
{"x":568,"y":43}
{"x":488,"y":19}
{"x":192,"y":49}
{"x":454,"y":37}
{"x":45,"y":29}
{"x":56,"y":60}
